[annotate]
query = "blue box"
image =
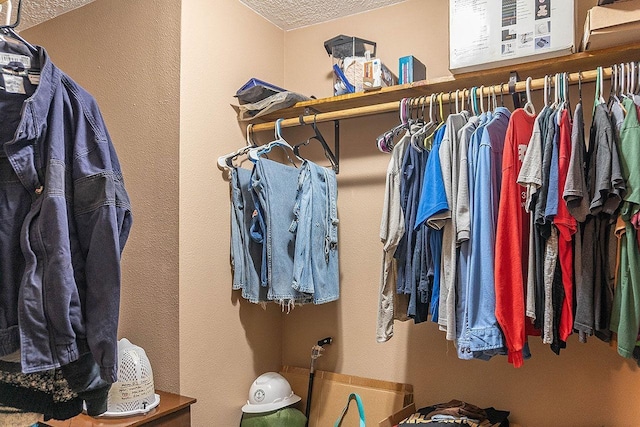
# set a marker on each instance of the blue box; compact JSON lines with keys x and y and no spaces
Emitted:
{"x":411,"y":70}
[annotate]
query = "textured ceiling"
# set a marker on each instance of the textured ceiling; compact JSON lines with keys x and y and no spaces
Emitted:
{"x":286,"y":14}
{"x":37,"y":11}
{"x":290,"y":14}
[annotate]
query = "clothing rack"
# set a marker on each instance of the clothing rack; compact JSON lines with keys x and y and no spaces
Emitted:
{"x":349,"y":113}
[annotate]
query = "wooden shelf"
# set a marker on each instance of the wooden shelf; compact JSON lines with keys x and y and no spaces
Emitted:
{"x":581,"y":61}
{"x":174,"y":410}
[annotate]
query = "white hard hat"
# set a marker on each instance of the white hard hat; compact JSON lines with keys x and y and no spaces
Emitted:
{"x":269,"y":392}
{"x":134,"y":392}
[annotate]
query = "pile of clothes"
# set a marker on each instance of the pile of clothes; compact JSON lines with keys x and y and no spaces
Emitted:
{"x":457,"y":413}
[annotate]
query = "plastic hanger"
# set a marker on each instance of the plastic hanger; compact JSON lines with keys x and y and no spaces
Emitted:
{"x":474,"y":101}
{"x":494,"y":99}
{"x":529,"y":107}
{"x":463,"y":106}
{"x":429,"y":139}
{"x":501,"y":95}
{"x":328,"y":153}
{"x":255,"y":153}
{"x":481,"y":96}
{"x":598,"y":99}
{"x":226,"y":161}
{"x":416,"y":137}
{"x":632,"y":79}
{"x":555,"y":90}
{"x":567,"y":99}
{"x":385,"y":142}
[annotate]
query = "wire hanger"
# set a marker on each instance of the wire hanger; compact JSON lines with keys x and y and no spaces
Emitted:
{"x":9,"y":27}
{"x":580,"y":87}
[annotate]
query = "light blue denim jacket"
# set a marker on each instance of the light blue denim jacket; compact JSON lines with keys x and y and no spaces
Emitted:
{"x":67,"y":217}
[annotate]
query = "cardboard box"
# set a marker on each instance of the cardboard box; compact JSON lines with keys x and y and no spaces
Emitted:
{"x":405,"y":412}
{"x":493,"y":33}
{"x":376,"y":75}
{"x":611,"y":25}
{"x":394,"y":419}
{"x":331,"y":392}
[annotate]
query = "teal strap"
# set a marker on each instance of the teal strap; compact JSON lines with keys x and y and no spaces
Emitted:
{"x":358,"y":400}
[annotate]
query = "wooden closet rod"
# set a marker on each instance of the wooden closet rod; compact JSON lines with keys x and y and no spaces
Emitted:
{"x":536,"y":84}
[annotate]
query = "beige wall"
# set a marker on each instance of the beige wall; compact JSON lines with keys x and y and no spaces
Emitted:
{"x":225,"y":343}
{"x":588,"y":384}
{"x":130,"y":63}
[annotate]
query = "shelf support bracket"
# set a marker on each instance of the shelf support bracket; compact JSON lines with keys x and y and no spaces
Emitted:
{"x":336,"y":144}
{"x":519,"y":98}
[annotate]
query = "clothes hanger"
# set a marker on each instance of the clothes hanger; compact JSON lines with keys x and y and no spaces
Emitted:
{"x":556,"y":90}
{"x":462,"y":103}
{"x":226,"y":161}
{"x":256,"y":152}
{"x":567,"y":97}
{"x":598,"y":99}
{"x":501,"y":95}
{"x":632,"y":79}
{"x":8,"y":28}
{"x":384,"y":142}
{"x":8,"y":13}
{"x":580,"y":87}
{"x":428,"y":141}
{"x":416,"y":137}
{"x":481,"y":96}
{"x":613,"y":84}
{"x":528,"y":106}
{"x":494,"y":99}
{"x":328,"y":153}
{"x":561,"y":102}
